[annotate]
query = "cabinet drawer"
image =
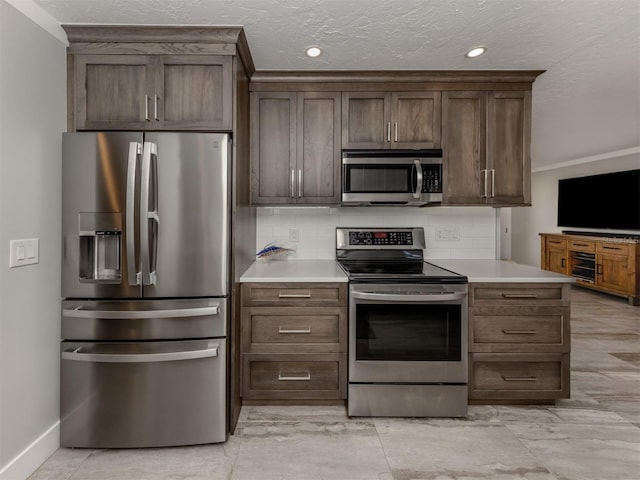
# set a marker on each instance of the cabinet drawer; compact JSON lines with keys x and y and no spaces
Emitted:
{"x":519,"y":376}
{"x":613,"y":248}
{"x":514,"y":329}
{"x":519,"y":294}
{"x":292,"y":294}
{"x":556,"y":242}
{"x":294,"y":329}
{"x":582,"y":245}
{"x":291,"y":376}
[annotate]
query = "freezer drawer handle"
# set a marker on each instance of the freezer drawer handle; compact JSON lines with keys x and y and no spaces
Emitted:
{"x":126,"y":315}
{"x":78,"y":356}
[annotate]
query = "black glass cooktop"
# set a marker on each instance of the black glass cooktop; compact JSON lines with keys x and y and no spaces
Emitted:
{"x":398,"y":272}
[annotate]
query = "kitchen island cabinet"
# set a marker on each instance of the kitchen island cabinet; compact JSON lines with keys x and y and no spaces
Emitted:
{"x":294,"y":341}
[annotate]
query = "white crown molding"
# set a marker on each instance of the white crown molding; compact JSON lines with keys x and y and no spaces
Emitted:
{"x":40,"y":17}
{"x":593,"y":158}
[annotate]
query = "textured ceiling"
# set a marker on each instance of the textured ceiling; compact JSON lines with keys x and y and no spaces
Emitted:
{"x":381,"y":35}
{"x":587,"y":102}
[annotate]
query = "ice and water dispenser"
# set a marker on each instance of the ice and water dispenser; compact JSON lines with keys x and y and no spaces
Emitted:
{"x":100,"y":247}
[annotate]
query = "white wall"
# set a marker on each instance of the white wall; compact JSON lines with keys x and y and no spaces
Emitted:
{"x":476,"y":228}
{"x":580,"y":128}
{"x":32,"y":109}
{"x":541,"y":216}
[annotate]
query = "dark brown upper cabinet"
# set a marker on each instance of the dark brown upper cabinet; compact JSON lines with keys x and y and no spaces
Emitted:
{"x":391,"y":119}
{"x":486,"y":139}
{"x":295,"y":148}
{"x":153,"y":92}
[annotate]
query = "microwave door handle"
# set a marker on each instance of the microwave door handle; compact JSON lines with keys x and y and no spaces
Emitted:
{"x":133,"y":275}
{"x":419,"y":179}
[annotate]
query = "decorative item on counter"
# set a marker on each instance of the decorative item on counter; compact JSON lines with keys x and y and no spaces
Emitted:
{"x":272,"y":251}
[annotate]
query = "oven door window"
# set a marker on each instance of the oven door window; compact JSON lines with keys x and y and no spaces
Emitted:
{"x":379,"y":178}
{"x":408,"y":332}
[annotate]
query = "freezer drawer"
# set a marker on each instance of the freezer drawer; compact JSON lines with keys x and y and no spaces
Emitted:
{"x":135,"y":320}
{"x":143,"y":394}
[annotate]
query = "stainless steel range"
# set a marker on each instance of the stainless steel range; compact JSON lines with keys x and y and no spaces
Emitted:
{"x":407,"y":326}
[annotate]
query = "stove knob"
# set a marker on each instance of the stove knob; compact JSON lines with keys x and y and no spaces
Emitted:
{"x":368,"y":241}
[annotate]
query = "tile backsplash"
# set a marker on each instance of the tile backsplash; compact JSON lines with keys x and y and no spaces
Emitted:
{"x":451,"y":232}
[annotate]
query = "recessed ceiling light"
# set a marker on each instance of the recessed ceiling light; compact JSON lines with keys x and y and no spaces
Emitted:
{"x":313,"y":52}
{"x":475,"y":52}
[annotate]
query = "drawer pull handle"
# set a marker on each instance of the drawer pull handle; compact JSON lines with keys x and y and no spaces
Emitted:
{"x":305,"y":377}
{"x":294,"y":295}
{"x":519,"y":295}
{"x":519,"y":379}
{"x":294,"y":330}
{"x":518,"y":332}
{"x":581,"y":244}
{"x":611,"y":248}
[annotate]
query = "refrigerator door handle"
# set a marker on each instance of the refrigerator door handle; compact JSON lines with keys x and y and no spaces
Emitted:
{"x":132,"y":314}
{"x":79,"y":356}
{"x":133,"y":274}
{"x":148,"y":277}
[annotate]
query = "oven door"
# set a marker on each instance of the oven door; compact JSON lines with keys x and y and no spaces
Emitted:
{"x":408,"y":333}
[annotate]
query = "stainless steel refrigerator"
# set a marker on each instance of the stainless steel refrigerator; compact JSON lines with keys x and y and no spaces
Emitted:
{"x":145,"y":287}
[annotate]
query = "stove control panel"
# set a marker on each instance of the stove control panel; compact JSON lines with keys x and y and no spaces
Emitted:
{"x":380,"y":237}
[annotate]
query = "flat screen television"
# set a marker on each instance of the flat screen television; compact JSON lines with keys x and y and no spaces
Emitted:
{"x":609,"y":201}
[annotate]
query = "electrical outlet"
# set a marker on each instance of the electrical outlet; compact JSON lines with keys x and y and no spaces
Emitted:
{"x":293,"y":234}
{"x":447,"y":234}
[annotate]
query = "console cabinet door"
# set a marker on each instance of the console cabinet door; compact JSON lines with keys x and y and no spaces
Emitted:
{"x":612,"y":272}
{"x":464,"y":148}
{"x":273,"y":148}
{"x":508,"y":146}
{"x":111,"y":92}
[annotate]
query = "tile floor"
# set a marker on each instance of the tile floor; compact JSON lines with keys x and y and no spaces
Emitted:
{"x":594,"y":435}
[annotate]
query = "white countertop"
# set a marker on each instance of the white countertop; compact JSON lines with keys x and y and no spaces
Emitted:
{"x":479,"y":271}
{"x":294,"y":271}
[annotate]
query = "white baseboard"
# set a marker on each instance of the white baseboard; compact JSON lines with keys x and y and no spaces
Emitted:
{"x":28,"y":461}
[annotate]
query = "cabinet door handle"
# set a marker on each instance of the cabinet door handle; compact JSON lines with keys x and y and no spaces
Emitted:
{"x":519,"y":379}
{"x":294,"y":330}
{"x":518,"y":332}
{"x":155,"y":107}
{"x":485,"y":175}
{"x":146,"y":107}
{"x":299,"y":183}
{"x":294,"y":295}
{"x":493,"y":182}
{"x":519,"y":295}
{"x":599,"y":269}
{"x":395,"y":133}
{"x":305,"y":377}
{"x":293,"y":176}
{"x":388,"y":132}
{"x":563,"y":264}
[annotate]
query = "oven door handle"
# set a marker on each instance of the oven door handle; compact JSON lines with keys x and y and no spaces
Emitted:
{"x":393,"y":297}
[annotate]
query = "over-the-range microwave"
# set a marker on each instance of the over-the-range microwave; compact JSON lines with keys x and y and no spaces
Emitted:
{"x":391,"y":177}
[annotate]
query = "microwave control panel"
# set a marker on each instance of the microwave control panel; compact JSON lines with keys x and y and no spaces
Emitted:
{"x":431,"y":178}
{"x":374,"y":237}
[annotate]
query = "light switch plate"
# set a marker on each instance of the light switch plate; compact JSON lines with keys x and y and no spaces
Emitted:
{"x":24,"y":252}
